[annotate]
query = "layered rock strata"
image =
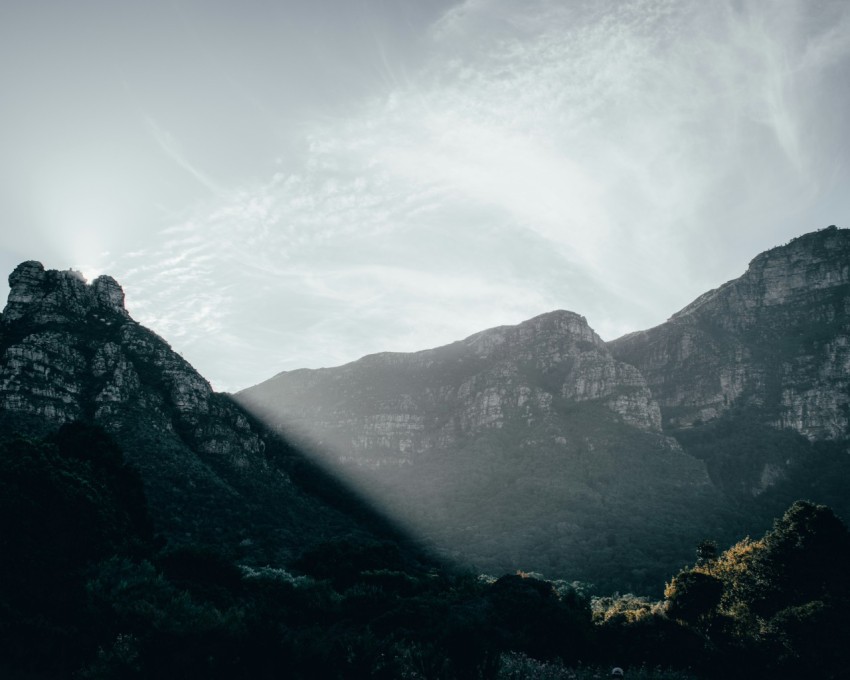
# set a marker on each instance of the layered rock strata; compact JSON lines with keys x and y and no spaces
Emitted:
{"x":776,"y":340}
{"x":391,"y":408}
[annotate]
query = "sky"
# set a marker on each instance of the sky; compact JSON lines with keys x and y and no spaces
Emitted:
{"x":279,"y":185}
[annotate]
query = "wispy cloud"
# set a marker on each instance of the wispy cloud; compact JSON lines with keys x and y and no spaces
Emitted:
{"x":595,"y":156}
{"x":171,"y":147}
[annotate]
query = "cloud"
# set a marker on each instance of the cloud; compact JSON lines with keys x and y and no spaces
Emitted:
{"x":616,"y":159}
{"x":171,"y":147}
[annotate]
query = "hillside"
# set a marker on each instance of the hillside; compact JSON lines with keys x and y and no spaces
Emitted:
{"x":69,"y":351}
{"x":524,"y":446}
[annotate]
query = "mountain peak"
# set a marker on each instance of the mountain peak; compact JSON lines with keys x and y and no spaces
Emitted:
{"x":561,"y":327}
{"x":815,"y":245}
{"x":774,"y":339}
{"x":49,"y":295}
{"x":69,"y":351}
{"x":813,"y":261}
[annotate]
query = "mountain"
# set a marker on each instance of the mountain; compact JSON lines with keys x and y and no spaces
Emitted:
{"x":69,"y":351}
{"x":776,"y":339}
{"x":540,"y":446}
{"x":524,"y":446}
{"x":536,"y":446}
{"x":754,"y":377}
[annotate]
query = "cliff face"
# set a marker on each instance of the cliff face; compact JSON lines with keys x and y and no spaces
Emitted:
{"x":776,"y":341}
{"x":70,"y":351}
{"x":393,"y":408}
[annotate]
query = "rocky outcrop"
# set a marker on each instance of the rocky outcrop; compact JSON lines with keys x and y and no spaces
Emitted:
{"x":776,"y":340}
{"x":70,"y":351}
{"x":392,"y":408}
{"x":61,"y":297}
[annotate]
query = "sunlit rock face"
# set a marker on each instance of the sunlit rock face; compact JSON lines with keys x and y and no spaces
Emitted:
{"x":776,"y":340}
{"x":391,"y":408}
{"x":70,"y":351}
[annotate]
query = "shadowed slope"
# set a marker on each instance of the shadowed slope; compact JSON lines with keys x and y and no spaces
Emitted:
{"x":523,"y":446}
{"x":212,"y":473}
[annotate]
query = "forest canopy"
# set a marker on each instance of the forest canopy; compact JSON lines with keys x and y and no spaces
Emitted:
{"x":87,"y":590}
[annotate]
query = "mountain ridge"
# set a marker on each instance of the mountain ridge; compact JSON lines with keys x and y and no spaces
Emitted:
{"x":542,"y":407}
{"x":535,"y":446}
{"x":753,"y":335}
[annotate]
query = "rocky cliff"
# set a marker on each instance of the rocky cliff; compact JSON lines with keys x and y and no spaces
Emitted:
{"x":70,"y":351}
{"x":391,"y":408}
{"x":777,"y":340}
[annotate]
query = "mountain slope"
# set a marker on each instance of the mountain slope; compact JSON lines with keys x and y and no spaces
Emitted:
{"x":70,"y":351}
{"x":543,"y":447}
{"x":754,"y":377}
{"x":522,"y":446}
{"x":777,"y":338}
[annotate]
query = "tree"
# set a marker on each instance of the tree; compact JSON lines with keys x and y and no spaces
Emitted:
{"x":706,"y":551}
{"x":783,"y":598}
{"x":693,"y":596}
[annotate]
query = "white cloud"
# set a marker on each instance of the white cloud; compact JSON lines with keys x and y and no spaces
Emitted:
{"x":616,"y":159}
{"x":171,"y":147}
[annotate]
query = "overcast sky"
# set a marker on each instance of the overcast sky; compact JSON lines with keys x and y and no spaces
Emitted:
{"x":280,"y":185}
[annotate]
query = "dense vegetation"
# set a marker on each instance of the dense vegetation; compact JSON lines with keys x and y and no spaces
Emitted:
{"x":761,"y":470}
{"x":606,"y":504}
{"x":87,"y":591}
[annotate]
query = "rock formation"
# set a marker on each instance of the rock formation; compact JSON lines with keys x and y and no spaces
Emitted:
{"x":70,"y":351}
{"x":776,"y":339}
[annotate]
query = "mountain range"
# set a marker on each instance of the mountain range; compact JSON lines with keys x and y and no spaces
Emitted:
{"x":537,"y":446}
{"x":540,"y":446}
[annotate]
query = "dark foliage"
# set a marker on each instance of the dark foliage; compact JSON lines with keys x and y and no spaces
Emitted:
{"x":65,"y":503}
{"x":84,"y":592}
{"x":777,"y":605}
